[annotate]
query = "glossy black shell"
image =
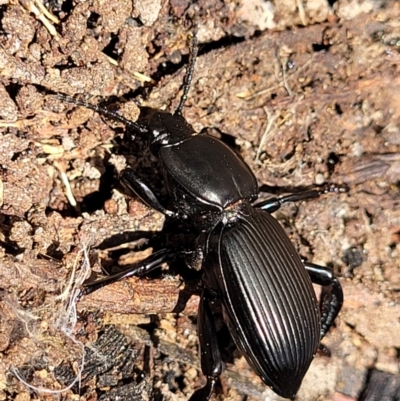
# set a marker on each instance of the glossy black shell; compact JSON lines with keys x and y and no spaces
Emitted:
{"x":208,"y":170}
{"x":269,"y":303}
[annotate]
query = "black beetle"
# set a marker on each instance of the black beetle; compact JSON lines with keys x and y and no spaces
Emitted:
{"x":249,"y":264}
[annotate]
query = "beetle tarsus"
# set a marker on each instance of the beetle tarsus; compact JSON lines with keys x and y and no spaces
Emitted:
{"x":204,"y":393}
{"x":324,"y":350}
{"x":331,"y":303}
{"x":333,"y":188}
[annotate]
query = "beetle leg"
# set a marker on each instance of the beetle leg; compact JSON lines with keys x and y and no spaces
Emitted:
{"x":273,"y":204}
{"x":332,"y":295}
{"x":210,"y":357}
{"x":136,"y":187}
{"x":138,"y":269}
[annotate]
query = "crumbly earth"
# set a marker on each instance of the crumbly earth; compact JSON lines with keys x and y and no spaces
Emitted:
{"x":308,"y":92}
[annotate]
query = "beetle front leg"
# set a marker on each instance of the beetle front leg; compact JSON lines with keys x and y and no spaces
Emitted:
{"x":210,"y":357}
{"x":137,"y":187}
{"x":332,"y":295}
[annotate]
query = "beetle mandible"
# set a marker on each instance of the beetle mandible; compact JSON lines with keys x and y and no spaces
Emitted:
{"x":249,"y":264}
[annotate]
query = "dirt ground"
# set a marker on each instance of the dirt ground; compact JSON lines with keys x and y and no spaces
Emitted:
{"x":307,"y":91}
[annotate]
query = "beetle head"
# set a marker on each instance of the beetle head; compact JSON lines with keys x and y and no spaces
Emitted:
{"x":165,"y":129}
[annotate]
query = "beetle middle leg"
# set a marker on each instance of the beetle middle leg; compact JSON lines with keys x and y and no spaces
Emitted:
{"x":332,"y":296}
{"x":141,"y":268}
{"x":273,"y":204}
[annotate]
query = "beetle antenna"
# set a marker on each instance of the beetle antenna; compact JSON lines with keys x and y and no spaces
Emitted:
{"x":101,"y":110}
{"x":187,"y":80}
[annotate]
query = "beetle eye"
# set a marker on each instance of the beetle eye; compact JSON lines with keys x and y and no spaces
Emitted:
{"x":160,"y":138}
{"x":163,"y":139}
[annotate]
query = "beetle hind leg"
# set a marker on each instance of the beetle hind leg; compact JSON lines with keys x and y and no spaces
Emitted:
{"x":211,"y":363}
{"x":332,"y":301}
{"x":332,"y":294}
